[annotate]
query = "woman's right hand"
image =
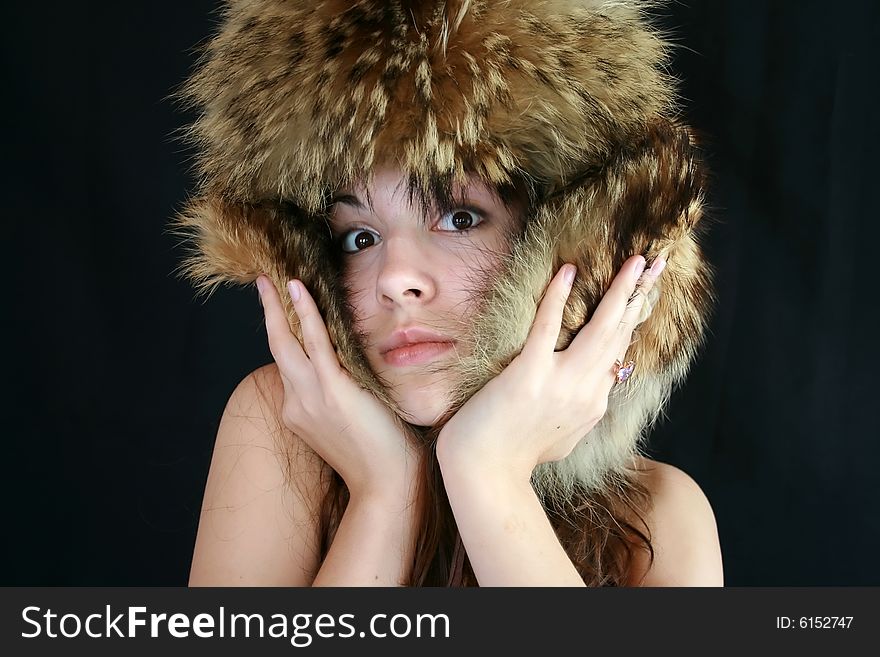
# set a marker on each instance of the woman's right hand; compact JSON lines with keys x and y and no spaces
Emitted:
{"x":346,"y":425}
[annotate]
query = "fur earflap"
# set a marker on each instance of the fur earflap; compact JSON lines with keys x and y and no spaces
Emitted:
{"x":296,"y":99}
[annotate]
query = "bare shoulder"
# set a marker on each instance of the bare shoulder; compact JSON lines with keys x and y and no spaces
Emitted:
{"x":257,"y":525}
{"x":684,"y":533}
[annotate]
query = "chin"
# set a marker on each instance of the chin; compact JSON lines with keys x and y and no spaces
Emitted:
{"x":422,"y":412}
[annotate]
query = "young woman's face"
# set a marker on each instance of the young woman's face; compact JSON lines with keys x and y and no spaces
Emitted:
{"x":413,"y":280}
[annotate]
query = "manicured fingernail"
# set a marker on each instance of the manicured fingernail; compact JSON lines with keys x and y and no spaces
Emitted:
{"x":640,"y":267}
{"x":570,"y":271}
{"x":293,"y":286}
{"x":658,"y":266}
{"x":261,"y":285}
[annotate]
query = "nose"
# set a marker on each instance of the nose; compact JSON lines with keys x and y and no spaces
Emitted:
{"x":405,"y":276}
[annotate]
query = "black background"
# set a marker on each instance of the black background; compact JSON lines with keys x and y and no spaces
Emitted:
{"x":117,"y":378}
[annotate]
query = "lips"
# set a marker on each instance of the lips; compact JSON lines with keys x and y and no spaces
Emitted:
{"x":414,"y":345}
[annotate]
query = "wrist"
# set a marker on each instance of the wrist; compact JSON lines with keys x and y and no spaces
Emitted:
{"x":396,"y":482}
{"x":393,"y":489}
{"x":473,"y":459}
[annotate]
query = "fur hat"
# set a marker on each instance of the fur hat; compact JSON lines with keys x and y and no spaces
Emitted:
{"x":298,"y":98}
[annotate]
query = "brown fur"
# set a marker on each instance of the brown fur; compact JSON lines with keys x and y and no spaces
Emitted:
{"x":298,"y":98}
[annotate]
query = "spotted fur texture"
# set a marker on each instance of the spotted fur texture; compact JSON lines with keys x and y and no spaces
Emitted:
{"x":298,"y":98}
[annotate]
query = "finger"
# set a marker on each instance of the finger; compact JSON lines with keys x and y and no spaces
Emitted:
{"x":284,"y":346}
{"x":637,"y":308}
{"x":316,"y":339}
{"x":600,"y":334}
{"x":548,"y":319}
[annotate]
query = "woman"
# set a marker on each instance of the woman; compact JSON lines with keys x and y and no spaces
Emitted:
{"x":421,"y":172}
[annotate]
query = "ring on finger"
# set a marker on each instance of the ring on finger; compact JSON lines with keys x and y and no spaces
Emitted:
{"x":623,"y":370}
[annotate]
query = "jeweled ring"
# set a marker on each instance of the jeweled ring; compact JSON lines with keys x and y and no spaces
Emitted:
{"x":622,"y":371}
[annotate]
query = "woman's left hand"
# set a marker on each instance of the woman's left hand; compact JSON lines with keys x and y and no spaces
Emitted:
{"x":546,"y":401}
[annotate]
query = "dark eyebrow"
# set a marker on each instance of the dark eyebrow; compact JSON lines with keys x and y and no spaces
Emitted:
{"x":348,"y":199}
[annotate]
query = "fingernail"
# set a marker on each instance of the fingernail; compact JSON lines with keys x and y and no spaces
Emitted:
{"x":570,"y":271}
{"x":658,"y":266}
{"x":640,"y":267}
{"x":261,"y":285}
{"x":294,"y":290}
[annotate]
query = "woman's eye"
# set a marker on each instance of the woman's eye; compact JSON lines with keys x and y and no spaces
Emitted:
{"x":358,"y":240}
{"x":460,"y":220}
